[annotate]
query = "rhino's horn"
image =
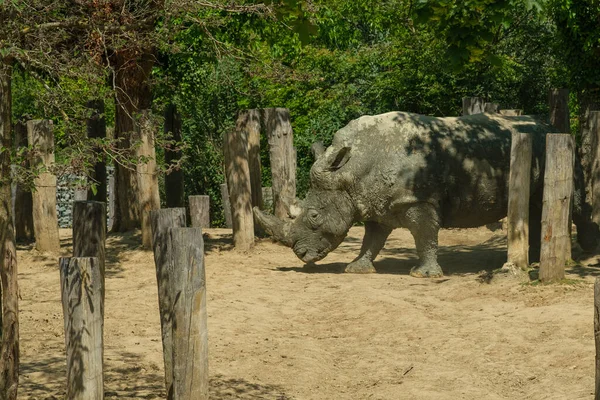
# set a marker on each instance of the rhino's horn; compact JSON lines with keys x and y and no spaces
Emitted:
{"x":279,"y":230}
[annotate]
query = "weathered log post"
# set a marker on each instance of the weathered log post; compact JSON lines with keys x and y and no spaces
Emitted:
{"x":283,"y":159}
{"x":174,"y":184}
{"x":96,"y":130}
{"x":249,"y":121}
{"x":89,"y":231}
{"x":511,"y":113}
{"x":558,"y":100}
{"x":147,"y":174}
{"x":200,"y":211}
{"x":23,"y":197}
{"x":473,"y":105}
{"x":162,"y":221}
{"x":558,"y":193}
{"x":82,"y":284}
{"x":491,"y":107}
{"x":238,"y":183}
{"x":226,"y":205}
{"x":594,"y":131}
{"x":597,"y":335}
{"x":518,"y":199}
{"x":40,"y":135}
{"x":190,"y":332}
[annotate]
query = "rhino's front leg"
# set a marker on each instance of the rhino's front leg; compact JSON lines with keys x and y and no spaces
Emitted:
{"x":423,"y":221}
{"x":375,"y":237}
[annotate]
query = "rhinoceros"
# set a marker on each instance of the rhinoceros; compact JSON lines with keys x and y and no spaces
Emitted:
{"x":422,"y":173}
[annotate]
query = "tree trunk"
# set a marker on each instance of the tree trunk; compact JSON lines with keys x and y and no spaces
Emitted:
{"x":174,"y":188}
{"x":249,"y":121}
{"x":283,"y":159}
{"x":132,"y":96}
{"x":9,"y":292}
{"x":588,"y":102}
{"x":96,"y":129}
{"x":558,"y":194}
{"x":226,"y":205}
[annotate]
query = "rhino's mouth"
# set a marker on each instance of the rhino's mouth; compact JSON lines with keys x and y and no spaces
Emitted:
{"x":309,"y":256}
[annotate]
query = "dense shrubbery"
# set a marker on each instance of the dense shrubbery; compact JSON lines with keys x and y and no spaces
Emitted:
{"x":347,"y":59}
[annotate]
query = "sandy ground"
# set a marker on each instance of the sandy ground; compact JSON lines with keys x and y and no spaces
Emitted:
{"x":280,"y":331}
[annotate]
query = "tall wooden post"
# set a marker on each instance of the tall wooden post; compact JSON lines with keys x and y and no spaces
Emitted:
{"x":594,"y":131}
{"x":473,"y":105}
{"x":190,"y":332}
{"x":249,"y":121}
{"x":89,"y":231}
{"x":82,"y":284}
{"x":23,"y":198}
{"x":238,"y":183}
{"x":558,"y":193}
{"x":283,"y":159}
{"x":491,"y":107}
{"x":147,"y":176}
{"x":96,"y":129}
{"x":597,"y":335}
{"x":558,"y":100}
{"x":226,"y":205}
{"x":40,"y":135}
{"x":174,"y":189}
{"x":518,"y":199}
{"x":162,"y":221}
{"x":200,"y":211}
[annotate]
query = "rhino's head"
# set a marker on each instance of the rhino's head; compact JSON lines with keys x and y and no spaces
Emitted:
{"x":326,"y":215}
{"x":320,"y":227}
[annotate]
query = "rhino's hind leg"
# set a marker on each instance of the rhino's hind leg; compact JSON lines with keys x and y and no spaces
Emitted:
{"x":423,"y":221}
{"x":375,"y":237}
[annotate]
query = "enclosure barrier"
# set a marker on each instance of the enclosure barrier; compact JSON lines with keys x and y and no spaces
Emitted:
{"x":40,"y":135}
{"x":162,"y":221}
{"x":518,"y":200}
{"x":558,"y":193}
{"x":200,"y":211}
{"x":226,"y":205}
{"x":82,"y":288}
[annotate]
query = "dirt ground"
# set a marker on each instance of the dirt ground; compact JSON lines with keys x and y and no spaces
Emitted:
{"x":280,"y":331}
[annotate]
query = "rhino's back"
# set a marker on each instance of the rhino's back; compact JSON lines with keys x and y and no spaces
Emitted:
{"x":459,"y":164}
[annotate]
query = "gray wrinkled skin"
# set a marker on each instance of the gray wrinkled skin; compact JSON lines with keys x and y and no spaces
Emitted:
{"x":421,"y":173}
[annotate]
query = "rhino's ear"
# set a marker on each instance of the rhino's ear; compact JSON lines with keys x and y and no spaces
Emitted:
{"x":317,"y":149}
{"x":339,"y":159}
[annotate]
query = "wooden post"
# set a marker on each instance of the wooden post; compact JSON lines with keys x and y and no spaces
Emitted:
{"x":82,"y":285}
{"x":23,"y":198}
{"x":558,"y":99}
{"x":40,"y":135}
{"x":283,"y":159}
{"x":190,"y":333}
{"x":147,"y":176}
{"x":238,"y":183}
{"x":89,"y":231}
{"x":597,"y":334}
{"x":594,"y":131}
{"x":226,"y":205}
{"x":200,"y":211}
{"x":268,"y":198}
{"x":491,"y":107}
{"x":96,"y":130}
{"x":473,"y":105}
{"x":249,"y":121}
{"x":511,"y":113}
{"x":161,"y":222}
{"x":174,"y":189}
{"x":518,"y":199}
{"x":558,"y":192}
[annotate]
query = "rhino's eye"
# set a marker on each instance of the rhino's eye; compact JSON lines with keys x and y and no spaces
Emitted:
{"x":314,"y":218}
